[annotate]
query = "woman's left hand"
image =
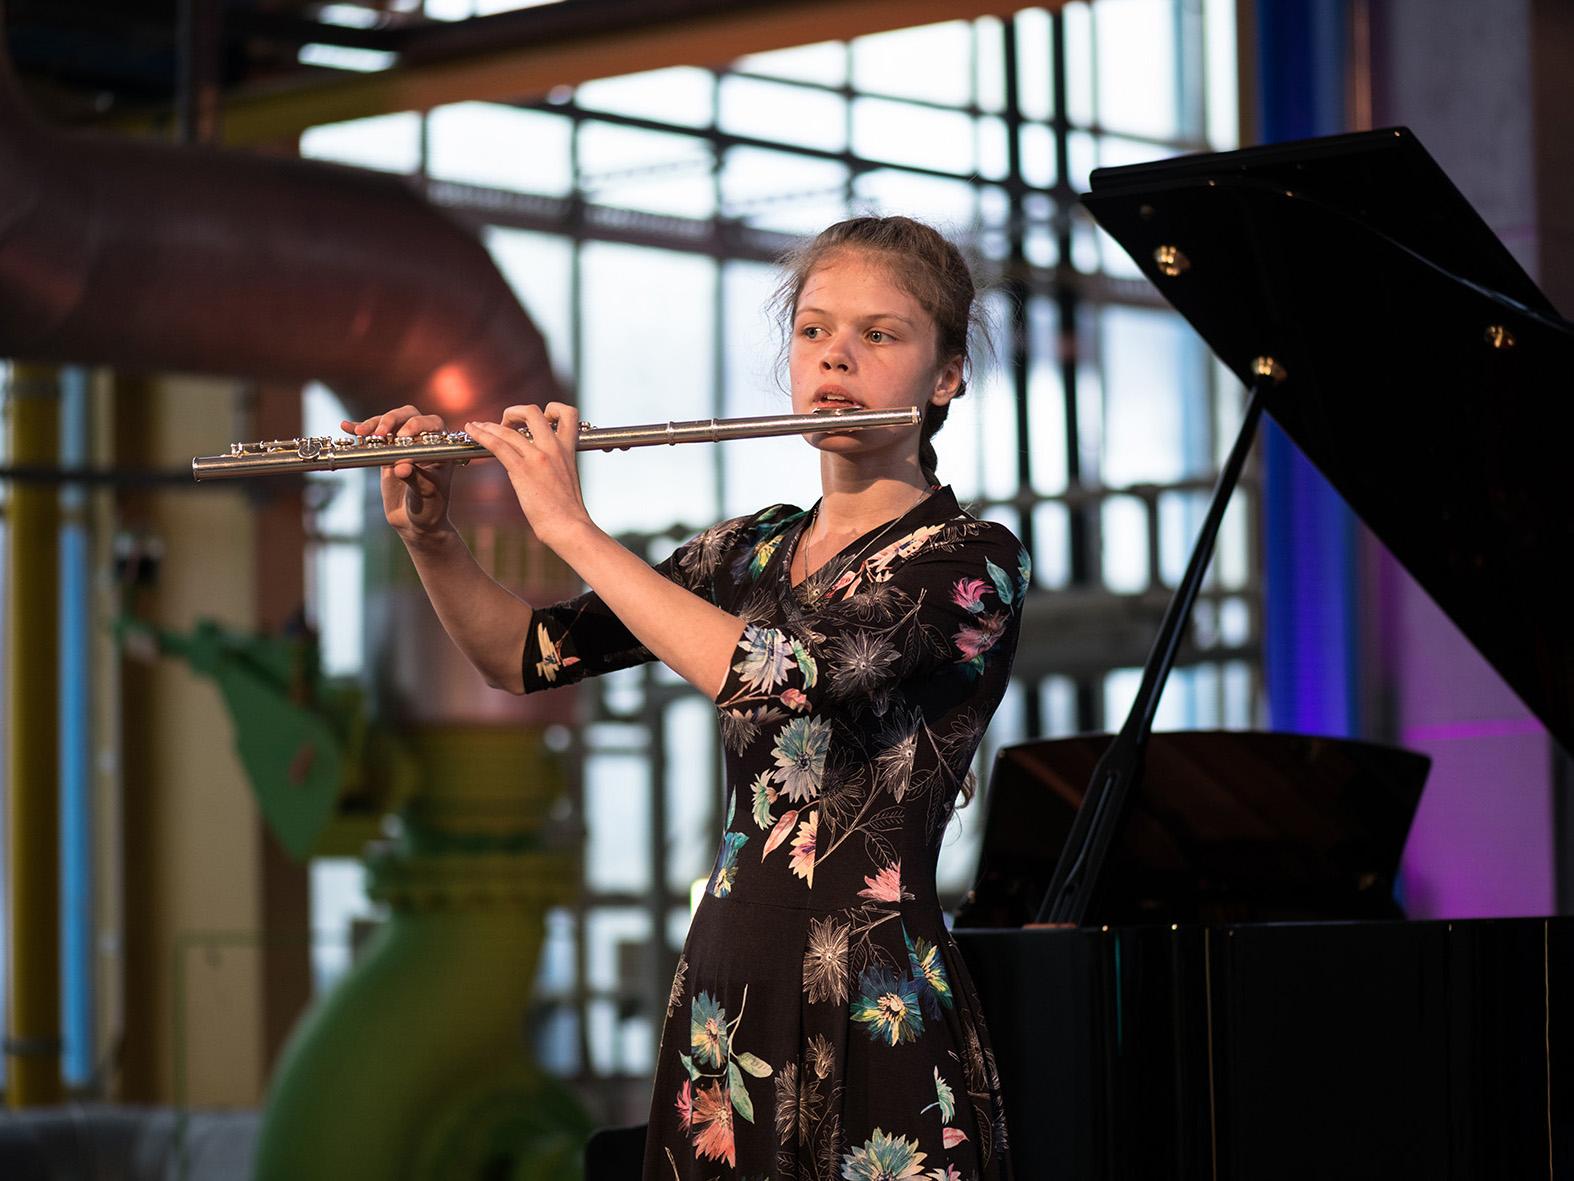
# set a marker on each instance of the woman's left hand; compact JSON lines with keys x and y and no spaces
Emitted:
{"x":543,"y":468}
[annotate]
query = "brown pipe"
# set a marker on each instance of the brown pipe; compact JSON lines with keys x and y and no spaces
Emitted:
{"x":150,"y":257}
{"x":33,"y":1044}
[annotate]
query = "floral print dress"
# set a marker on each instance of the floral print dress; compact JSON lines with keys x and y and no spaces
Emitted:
{"x":821,"y":1023}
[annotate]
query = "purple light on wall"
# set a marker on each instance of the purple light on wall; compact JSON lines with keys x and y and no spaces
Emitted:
{"x":1309,"y":624}
{"x":1478,"y":728}
{"x":1481,"y":845}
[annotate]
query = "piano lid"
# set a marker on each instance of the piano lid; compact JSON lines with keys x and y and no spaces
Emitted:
{"x":1428,"y":377}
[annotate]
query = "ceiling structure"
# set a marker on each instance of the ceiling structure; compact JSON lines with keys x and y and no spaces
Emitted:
{"x":250,"y":71}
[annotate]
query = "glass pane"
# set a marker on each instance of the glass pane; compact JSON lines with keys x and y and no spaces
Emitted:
{"x":338,"y":899}
{"x":782,"y":191}
{"x":1232,"y":560}
{"x":977,"y":449}
{"x":777,"y":111}
{"x":900,"y":133}
{"x":1081,"y":158}
{"x":994,"y":149}
{"x":540,"y":269}
{"x":994,"y":209}
{"x":623,"y":691}
{"x":1180,"y":517}
{"x":693,"y":795}
{"x":651,"y":171}
{"x":501,"y":148}
{"x":1223,"y":117}
{"x":557,"y":1040}
{"x":647,"y":324}
{"x":1137,"y":85}
{"x":1035,"y":71}
{"x":1229,"y":407}
{"x":1059,"y":695}
{"x":1123,"y":521}
{"x":616,"y":737}
{"x":555,"y":975}
{"x":1052,"y":546}
{"x":1116,"y":150}
{"x":932,"y":63}
{"x":1039,"y":246}
{"x":949,"y":205}
{"x":337,"y":586}
{"x":617,"y":822}
{"x":1038,"y":155}
{"x":601,"y":1031}
{"x":824,"y":62}
{"x":681,"y":94}
{"x":1240,"y":698}
{"x":448,"y":10}
{"x":345,"y":57}
{"x":1206,"y":696}
{"x":1077,"y":22}
{"x":1090,"y":410}
{"x":637,"y":1044}
{"x":615,"y":940}
{"x":678,"y":922}
{"x":388,"y":142}
{"x":1046,"y":399}
{"x":989,"y":75}
{"x":1120,"y":691}
{"x":1235,"y":622}
{"x":1155,"y":425}
{"x":1084,"y":243}
{"x":488,"y":7}
{"x":1205,"y":623}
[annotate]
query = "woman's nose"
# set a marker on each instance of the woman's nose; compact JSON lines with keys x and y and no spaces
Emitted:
{"x":835,"y":359}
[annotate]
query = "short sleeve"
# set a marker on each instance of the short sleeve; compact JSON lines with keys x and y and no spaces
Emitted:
{"x":581,"y":637}
{"x":936,"y":613}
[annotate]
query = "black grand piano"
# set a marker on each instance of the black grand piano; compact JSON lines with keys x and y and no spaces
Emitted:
{"x":1227,"y":989}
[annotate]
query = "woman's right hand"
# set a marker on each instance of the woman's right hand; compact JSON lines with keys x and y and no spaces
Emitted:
{"x":415,"y":495}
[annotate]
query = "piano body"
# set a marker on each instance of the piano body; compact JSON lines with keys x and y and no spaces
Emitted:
{"x":1237,"y":996}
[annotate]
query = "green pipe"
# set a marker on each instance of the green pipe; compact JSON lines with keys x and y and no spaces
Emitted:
{"x":32,"y":1045}
{"x":415,"y":1066}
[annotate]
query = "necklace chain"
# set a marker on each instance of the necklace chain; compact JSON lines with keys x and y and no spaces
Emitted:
{"x":804,"y":543}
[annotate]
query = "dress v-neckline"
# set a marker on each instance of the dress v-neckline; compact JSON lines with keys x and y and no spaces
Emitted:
{"x":840,"y":557}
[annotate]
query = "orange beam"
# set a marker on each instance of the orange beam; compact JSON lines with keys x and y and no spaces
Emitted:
{"x":527,"y":71}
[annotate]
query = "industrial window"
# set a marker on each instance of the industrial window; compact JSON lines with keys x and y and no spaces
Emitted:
{"x":637,"y":218}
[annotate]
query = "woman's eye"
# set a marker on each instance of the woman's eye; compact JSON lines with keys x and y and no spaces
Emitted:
{"x":876,"y":336}
{"x":811,"y":332}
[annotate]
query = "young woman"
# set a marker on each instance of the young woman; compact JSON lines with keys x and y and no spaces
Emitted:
{"x":821,"y":1023}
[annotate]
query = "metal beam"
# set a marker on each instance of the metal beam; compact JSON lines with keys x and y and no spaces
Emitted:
{"x":527,"y":53}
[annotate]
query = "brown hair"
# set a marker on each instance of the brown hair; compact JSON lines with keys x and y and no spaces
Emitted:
{"x":924,"y":264}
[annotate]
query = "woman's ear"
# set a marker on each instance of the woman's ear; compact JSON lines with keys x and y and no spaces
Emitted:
{"x":947,"y":382}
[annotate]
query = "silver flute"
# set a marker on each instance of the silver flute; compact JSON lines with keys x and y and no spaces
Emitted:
{"x":323,"y":453}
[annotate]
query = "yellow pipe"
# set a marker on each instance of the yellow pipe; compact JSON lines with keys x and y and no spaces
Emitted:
{"x":33,"y":780}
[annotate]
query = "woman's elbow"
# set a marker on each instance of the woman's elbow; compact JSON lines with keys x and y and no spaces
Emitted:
{"x":511,"y":681}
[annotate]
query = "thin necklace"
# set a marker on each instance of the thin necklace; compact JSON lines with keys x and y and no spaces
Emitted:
{"x":804,"y":543}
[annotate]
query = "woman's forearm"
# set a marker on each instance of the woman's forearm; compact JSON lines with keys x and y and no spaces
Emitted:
{"x":688,"y":634}
{"x":486,"y":621}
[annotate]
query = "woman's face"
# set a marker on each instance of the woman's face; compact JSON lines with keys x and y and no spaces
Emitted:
{"x":861,"y":342}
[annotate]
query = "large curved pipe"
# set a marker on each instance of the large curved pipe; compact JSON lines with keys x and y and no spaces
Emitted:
{"x":152,"y":257}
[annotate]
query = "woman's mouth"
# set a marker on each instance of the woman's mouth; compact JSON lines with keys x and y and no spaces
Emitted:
{"x":828,"y":398}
